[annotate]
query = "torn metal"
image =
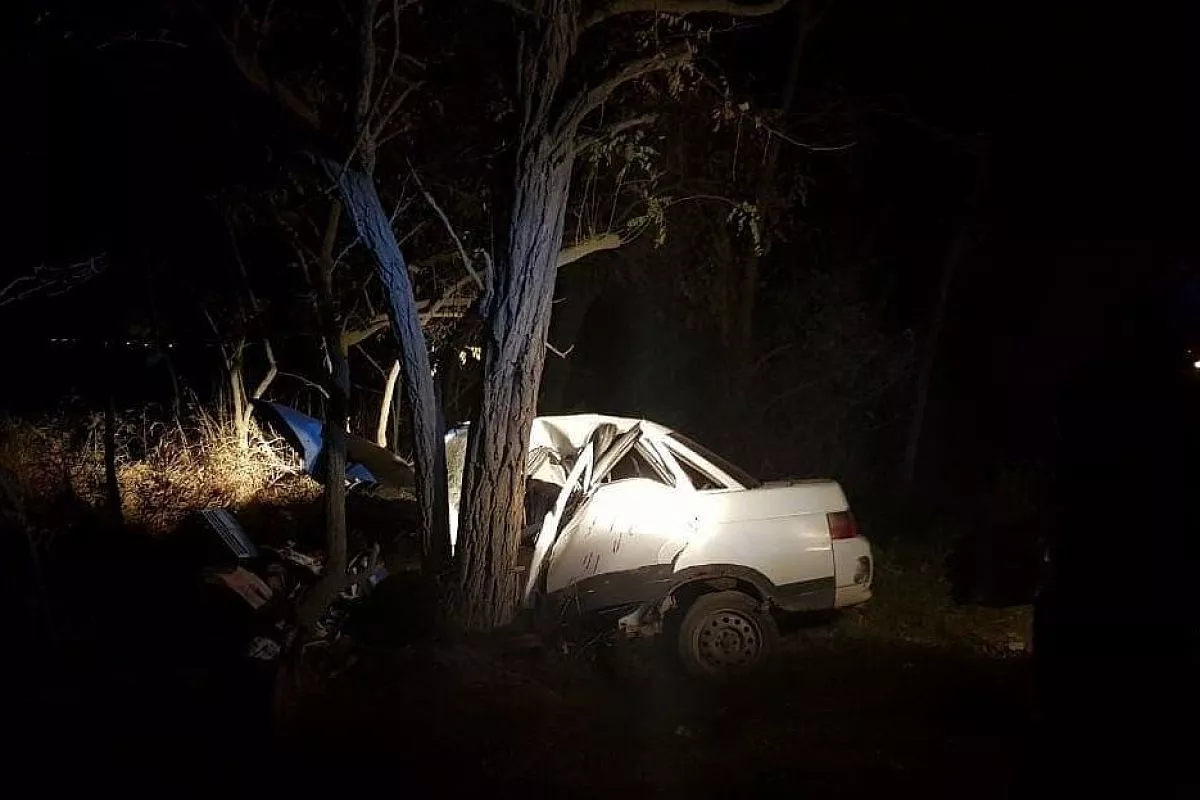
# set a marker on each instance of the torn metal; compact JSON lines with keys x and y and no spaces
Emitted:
{"x":629,"y":516}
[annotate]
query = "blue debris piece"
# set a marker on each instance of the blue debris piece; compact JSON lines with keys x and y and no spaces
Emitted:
{"x":307,"y":435}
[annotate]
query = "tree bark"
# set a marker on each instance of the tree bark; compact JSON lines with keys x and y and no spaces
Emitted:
{"x":492,"y":511}
{"x":358,"y":193}
{"x":337,"y":407}
{"x":239,"y":408}
{"x":517,"y":308}
{"x":318,"y":599}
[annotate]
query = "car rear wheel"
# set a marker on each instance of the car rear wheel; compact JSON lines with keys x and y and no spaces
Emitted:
{"x":724,"y":635}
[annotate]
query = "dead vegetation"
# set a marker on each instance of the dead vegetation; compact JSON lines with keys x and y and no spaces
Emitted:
{"x":167,"y":468}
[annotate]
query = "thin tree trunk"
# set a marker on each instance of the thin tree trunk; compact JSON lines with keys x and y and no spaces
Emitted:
{"x":929,"y":356}
{"x":318,"y":599}
{"x":265,"y":383}
{"x":807,"y":17}
{"x":111,"y":484}
{"x":361,"y":199}
{"x":954,"y":256}
{"x":385,"y":407}
{"x":237,"y":390}
{"x":394,"y":436}
{"x":337,"y":408}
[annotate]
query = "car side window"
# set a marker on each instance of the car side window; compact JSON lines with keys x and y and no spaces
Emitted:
{"x":637,"y":464}
{"x":701,"y":481}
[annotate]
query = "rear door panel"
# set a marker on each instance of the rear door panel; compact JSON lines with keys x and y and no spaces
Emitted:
{"x":624,"y":526}
{"x":787,"y":549}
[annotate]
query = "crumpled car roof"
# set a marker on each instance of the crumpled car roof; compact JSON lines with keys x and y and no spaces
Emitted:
{"x":569,"y":432}
{"x":565,"y":434}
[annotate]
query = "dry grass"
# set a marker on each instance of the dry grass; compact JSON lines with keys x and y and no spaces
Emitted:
{"x":166,"y":470}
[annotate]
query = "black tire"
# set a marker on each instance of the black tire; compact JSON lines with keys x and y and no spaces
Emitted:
{"x":724,"y":636}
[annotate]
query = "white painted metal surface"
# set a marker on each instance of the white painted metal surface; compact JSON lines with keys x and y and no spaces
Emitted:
{"x":846,"y":555}
{"x":623,"y":526}
{"x":780,"y":532}
{"x":699,"y":511}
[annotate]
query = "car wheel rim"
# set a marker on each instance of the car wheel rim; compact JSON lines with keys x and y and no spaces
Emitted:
{"x":728,"y":640}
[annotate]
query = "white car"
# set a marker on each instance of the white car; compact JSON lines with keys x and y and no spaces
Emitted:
{"x":637,"y":526}
{"x":652,"y":528}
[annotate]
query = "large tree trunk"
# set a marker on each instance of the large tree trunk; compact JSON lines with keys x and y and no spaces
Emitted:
{"x":492,"y":510}
{"x":358,"y":193}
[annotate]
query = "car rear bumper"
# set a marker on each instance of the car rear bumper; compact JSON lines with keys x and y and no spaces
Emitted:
{"x":854,"y":569}
{"x":851,"y":596}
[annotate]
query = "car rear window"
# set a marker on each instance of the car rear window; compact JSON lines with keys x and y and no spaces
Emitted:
{"x":729,"y":468}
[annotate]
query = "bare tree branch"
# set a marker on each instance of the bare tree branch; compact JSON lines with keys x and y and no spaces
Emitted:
{"x":272,"y":371}
{"x":252,"y":71}
{"x":366,"y":65}
{"x":598,"y":95}
{"x":586,"y":247}
{"x":449,"y":306}
{"x":384,"y":117}
{"x":355,"y":337}
{"x":306,"y":382}
{"x":814,"y":148}
{"x":614,"y":8}
{"x":51,"y":281}
{"x":616,"y":129}
{"x":519,"y":7}
{"x":462,"y":251}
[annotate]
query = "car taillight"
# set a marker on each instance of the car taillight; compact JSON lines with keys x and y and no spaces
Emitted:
{"x":842,"y":525}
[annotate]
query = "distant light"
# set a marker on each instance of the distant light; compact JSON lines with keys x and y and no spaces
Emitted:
{"x":1196,"y":364}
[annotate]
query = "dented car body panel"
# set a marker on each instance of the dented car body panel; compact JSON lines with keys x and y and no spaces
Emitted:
{"x":642,"y":511}
{"x":654,"y":512}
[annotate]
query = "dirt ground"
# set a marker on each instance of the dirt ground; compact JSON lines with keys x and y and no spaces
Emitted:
{"x":840,"y":714}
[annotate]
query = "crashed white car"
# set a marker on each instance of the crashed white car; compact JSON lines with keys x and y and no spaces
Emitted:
{"x":655,"y":530}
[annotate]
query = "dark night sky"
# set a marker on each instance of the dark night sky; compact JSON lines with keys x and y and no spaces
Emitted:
{"x":1087,"y":115}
